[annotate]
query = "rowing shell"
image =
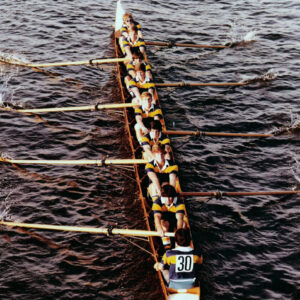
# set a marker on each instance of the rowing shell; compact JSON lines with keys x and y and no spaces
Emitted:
{"x":171,"y":294}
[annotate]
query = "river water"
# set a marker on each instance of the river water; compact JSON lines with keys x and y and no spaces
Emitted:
{"x":250,"y":244}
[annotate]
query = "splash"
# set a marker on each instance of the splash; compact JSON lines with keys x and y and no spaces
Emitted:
{"x":240,"y":35}
{"x":5,"y":208}
{"x":292,"y":128}
{"x":296,"y":170}
{"x":250,"y":36}
{"x":13,"y":58}
{"x":264,"y":78}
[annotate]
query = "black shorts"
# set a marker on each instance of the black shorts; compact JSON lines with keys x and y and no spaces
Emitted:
{"x":171,"y":218}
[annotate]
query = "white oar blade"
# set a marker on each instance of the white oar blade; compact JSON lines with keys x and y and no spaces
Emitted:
{"x":119,"y":16}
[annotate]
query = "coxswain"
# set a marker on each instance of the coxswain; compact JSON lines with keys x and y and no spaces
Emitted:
{"x":169,"y":211}
{"x":144,"y":114}
{"x":180,"y":265}
{"x":160,"y":170}
{"x":155,"y":136}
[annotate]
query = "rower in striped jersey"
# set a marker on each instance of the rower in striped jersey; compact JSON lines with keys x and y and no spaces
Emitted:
{"x":129,"y":22}
{"x":155,"y":136}
{"x":141,"y":83}
{"x":180,"y":265}
{"x":136,"y":64}
{"x":131,"y":40}
{"x":169,"y":211}
{"x":160,"y":170}
{"x":144,"y":114}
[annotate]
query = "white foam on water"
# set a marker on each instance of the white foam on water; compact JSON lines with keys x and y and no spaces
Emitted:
{"x":5,"y":208}
{"x":241,"y":34}
{"x":296,"y":169}
{"x":250,"y":36}
{"x":13,"y":58}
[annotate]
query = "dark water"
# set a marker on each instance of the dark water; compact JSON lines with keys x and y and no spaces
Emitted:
{"x":250,"y":245}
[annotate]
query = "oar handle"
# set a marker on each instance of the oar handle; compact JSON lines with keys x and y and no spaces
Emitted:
{"x":107,"y":231}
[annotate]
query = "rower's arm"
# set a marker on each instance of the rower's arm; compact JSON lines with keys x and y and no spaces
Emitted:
{"x":147,"y":149}
{"x":139,"y":120}
{"x":157,"y":220}
{"x":128,"y":53}
{"x":180,"y":220}
{"x":172,"y":179}
{"x":153,"y":177}
{"x":137,"y":93}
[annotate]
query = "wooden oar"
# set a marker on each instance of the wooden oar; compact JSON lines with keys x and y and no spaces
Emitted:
{"x":191,"y":84}
{"x":219,"y":194}
{"x":78,"y":108}
{"x":172,"y":44}
{"x":98,"y":162}
{"x":68,"y":63}
{"x":224,"y":134}
{"x":107,"y":231}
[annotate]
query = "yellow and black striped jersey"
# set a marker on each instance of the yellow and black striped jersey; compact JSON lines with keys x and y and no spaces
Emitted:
{"x":131,"y":66}
{"x":147,"y":84}
{"x":124,"y":28}
{"x":176,"y":207}
{"x":154,"y":111}
{"x":139,"y":43}
{"x":148,"y":140}
{"x":163,"y":174}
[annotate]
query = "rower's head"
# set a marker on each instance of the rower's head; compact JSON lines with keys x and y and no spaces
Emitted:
{"x":137,"y":58}
{"x":155,"y":129}
{"x":183,"y":237}
{"x":158,"y":153}
{"x":140,"y":68}
{"x":146,"y":100}
{"x":168,"y":194}
{"x":127,"y":19}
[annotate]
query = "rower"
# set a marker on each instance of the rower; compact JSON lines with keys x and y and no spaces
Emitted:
{"x":155,"y":136}
{"x":159,"y":171}
{"x":136,"y":64}
{"x":169,"y":211}
{"x":141,"y":83}
{"x":144,"y":114}
{"x":132,"y":43}
{"x":180,"y":265}
{"x":129,"y":22}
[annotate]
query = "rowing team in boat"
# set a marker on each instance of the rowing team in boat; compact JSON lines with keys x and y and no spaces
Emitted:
{"x":179,"y":265}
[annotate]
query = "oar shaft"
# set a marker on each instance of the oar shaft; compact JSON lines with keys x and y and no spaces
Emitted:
{"x":218,"y":194}
{"x":77,"y":63}
{"x":224,"y":134}
{"x":98,"y":162}
{"x":191,"y":84}
{"x":170,"y":44}
{"x":107,"y":231}
{"x":78,"y":108}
